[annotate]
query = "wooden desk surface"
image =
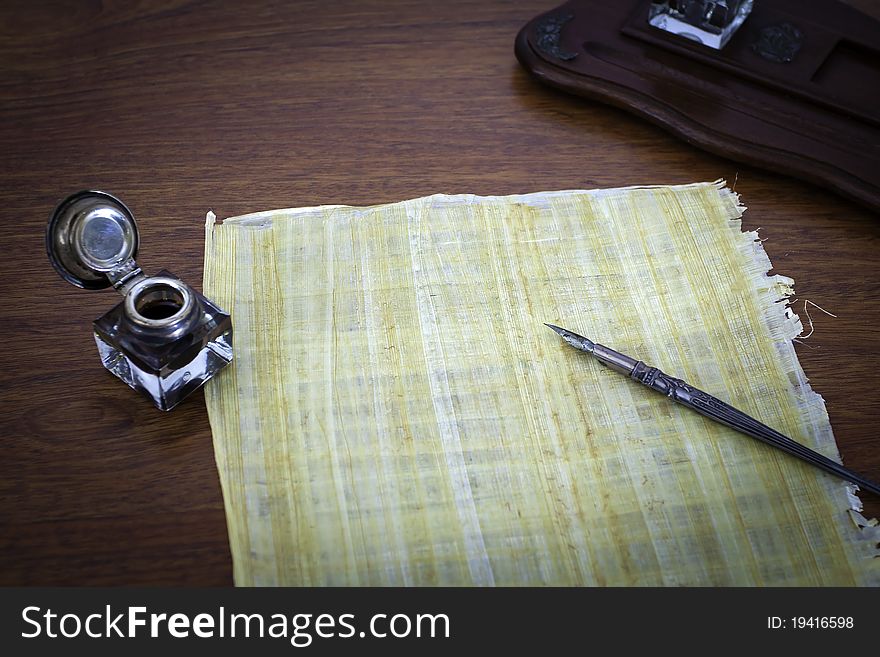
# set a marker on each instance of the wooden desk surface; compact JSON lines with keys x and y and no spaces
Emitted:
{"x":183,"y":106}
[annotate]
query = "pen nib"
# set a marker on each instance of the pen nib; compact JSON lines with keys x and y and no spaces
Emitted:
{"x":575,"y":340}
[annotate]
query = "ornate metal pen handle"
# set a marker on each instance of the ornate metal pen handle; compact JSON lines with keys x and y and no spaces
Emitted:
{"x":709,"y":406}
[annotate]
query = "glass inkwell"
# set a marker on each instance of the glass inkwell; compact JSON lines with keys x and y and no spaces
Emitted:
{"x":710,"y":22}
{"x":164,"y":338}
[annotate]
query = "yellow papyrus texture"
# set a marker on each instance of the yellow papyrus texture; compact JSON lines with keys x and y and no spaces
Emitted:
{"x":398,"y":414}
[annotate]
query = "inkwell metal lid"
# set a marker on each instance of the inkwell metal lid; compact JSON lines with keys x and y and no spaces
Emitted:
{"x":91,"y":237}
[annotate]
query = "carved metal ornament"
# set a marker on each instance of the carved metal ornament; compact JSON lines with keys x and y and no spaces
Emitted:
{"x":548,"y":32}
{"x":778,"y":43}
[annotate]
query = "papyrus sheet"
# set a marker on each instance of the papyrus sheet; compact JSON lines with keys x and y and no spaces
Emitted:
{"x":398,"y":414}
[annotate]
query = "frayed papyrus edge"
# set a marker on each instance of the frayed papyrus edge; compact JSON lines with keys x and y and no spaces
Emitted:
{"x":536,"y":199}
{"x":776,"y":293}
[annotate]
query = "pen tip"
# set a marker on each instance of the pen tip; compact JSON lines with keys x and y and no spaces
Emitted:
{"x":575,"y":340}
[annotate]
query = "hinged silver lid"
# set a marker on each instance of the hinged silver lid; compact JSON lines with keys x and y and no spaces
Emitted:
{"x":92,"y":239}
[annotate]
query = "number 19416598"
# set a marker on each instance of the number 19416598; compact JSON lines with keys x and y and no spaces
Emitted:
{"x":810,"y":623}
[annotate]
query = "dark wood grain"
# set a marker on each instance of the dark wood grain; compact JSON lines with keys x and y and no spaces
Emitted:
{"x":183,"y":106}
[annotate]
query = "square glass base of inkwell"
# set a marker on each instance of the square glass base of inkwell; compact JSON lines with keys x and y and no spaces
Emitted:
{"x":710,"y":22}
{"x":164,"y":339}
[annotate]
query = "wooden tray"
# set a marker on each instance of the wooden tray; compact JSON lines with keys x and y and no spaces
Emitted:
{"x":796,"y":90}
